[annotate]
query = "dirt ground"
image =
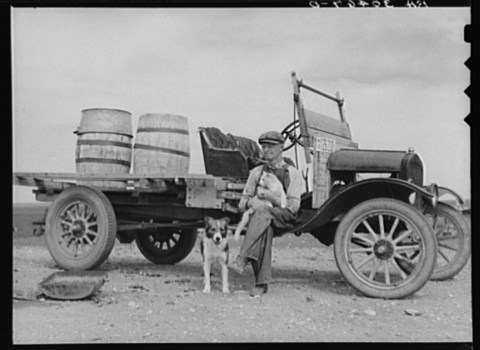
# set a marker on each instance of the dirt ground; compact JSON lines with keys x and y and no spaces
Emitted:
{"x":308,"y":301}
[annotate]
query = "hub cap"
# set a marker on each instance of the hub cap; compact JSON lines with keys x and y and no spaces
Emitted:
{"x":383,"y":249}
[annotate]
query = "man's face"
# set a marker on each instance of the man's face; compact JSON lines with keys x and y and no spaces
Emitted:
{"x":271,"y":152}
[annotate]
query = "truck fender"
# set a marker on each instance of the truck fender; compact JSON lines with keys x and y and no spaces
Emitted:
{"x":444,"y":191}
{"x":346,"y":198}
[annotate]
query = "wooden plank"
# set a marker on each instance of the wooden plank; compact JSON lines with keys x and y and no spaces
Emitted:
{"x":236,"y":186}
{"x":323,"y":123}
{"x":46,"y":184}
{"x":23,"y":181}
{"x":29,"y":181}
{"x":230,"y":195}
{"x":307,"y":143}
{"x":145,"y":183}
{"x":111,"y":177}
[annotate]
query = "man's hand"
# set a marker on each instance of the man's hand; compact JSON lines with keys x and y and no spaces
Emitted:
{"x":269,"y":196}
{"x":255,"y":203}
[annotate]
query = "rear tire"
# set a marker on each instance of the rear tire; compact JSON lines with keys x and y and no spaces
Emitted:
{"x":166,"y":246}
{"x":371,"y":239}
{"x":453,"y":239}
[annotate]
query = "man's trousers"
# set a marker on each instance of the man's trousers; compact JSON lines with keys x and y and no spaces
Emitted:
{"x":257,"y":244}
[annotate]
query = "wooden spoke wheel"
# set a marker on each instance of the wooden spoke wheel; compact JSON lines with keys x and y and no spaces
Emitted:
{"x":166,"y":245}
{"x":454,"y":241}
{"x":385,"y":248}
{"x":80,"y":228}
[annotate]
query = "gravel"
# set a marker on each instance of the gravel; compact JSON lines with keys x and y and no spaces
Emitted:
{"x":308,"y":301}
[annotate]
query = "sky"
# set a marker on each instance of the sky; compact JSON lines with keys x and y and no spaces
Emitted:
{"x":401,"y":72}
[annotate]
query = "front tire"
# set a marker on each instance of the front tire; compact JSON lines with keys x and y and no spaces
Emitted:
{"x":166,"y":246}
{"x":374,"y":238}
{"x":80,"y":228}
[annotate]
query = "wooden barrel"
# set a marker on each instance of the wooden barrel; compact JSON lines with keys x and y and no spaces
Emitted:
{"x":162,"y":145}
{"x":104,"y":145}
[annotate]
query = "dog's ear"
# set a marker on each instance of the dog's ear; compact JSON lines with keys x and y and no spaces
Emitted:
{"x":207,"y":219}
{"x":226,"y":220}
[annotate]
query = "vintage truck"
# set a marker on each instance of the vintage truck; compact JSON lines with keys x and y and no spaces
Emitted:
{"x":390,"y":232}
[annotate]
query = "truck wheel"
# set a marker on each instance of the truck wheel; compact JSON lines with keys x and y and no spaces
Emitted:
{"x":378,"y":235}
{"x":166,"y":246}
{"x":81,"y":228}
{"x":454,"y":241}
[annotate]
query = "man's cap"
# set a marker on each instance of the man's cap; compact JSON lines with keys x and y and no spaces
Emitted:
{"x":271,"y":137}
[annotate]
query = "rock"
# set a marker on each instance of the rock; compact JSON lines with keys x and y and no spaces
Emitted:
{"x":240,"y":292}
{"x":412,"y":312}
{"x":138,"y":286}
{"x":309,"y":299}
{"x":133,"y":304}
{"x":153,"y":274}
{"x":370,"y":312}
{"x":26,"y":294}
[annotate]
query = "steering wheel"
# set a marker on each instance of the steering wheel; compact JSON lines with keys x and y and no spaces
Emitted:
{"x":289,"y":133}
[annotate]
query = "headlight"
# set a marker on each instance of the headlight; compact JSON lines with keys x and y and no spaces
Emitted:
{"x":433,"y":190}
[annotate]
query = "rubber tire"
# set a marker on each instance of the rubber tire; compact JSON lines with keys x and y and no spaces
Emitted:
{"x":460,"y":260}
{"x":182,"y":248}
{"x":407,"y":213}
{"x":107,"y":225}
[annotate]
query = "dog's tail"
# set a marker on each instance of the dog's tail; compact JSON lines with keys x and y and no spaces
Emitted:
{"x":242,"y":224}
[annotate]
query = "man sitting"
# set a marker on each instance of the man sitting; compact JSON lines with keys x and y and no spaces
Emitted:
{"x":265,"y":221}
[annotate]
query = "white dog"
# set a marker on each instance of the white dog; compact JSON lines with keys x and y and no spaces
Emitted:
{"x":214,"y":248}
{"x":268,"y":181}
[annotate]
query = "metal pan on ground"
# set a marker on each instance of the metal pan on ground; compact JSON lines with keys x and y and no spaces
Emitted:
{"x":72,"y":285}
